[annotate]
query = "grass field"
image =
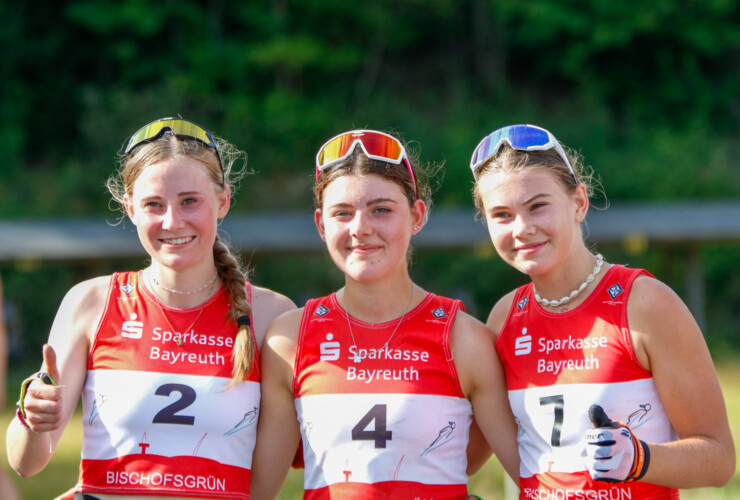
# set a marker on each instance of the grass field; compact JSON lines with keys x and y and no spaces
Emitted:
{"x":61,"y":473}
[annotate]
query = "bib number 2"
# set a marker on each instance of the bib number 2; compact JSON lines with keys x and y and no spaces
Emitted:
{"x":380,"y":434}
{"x":169,"y":414}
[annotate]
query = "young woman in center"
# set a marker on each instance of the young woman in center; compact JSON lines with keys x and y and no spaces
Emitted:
{"x":609,"y":376}
{"x":381,"y":378}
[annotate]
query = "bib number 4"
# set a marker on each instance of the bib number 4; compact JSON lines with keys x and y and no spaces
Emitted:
{"x":380,"y":434}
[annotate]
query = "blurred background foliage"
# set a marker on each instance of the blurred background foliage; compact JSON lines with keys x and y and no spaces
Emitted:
{"x":648,"y":92}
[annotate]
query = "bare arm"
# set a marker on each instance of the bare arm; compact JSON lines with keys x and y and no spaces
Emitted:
{"x":500,"y":311}
{"x":482,"y":378}
{"x":49,"y":408}
{"x":6,"y":486}
{"x":672,"y":347}
{"x":479,"y":451}
{"x":3,"y":349}
{"x":278,"y":434}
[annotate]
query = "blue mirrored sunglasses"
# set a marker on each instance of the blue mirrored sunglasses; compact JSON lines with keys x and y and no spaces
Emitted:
{"x":520,"y":137}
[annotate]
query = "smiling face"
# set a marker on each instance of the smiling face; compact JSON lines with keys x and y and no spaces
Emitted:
{"x":533,"y":222}
{"x":367,"y":223}
{"x":175,"y":206}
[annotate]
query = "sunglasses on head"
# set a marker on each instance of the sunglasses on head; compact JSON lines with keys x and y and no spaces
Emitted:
{"x":183,"y":129}
{"x":376,"y":146}
{"x":519,"y":137}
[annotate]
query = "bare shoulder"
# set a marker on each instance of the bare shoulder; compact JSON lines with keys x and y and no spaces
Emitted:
{"x":469,"y":336}
{"x":84,"y":304}
{"x":88,"y":292}
{"x":266,"y":306}
{"x":281,"y":339}
{"x":78,"y":316}
{"x":271,"y":302}
{"x":471,"y":345}
{"x":286,"y":325}
{"x":467,"y":326}
{"x":499,"y":313}
{"x":648,"y":292}
{"x":660,"y":322}
{"x":653,"y":303}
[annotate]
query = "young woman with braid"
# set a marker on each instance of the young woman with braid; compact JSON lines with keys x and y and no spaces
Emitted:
{"x":166,"y":358}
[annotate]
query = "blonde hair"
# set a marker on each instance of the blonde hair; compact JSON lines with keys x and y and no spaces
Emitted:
{"x":509,"y":160}
{"x":234,"y":278}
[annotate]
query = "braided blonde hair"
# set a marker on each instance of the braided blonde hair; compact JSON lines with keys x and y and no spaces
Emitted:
{"x":229,"y":269}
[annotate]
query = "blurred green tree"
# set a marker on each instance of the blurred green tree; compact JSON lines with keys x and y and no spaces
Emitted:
{"x":646,"y":91}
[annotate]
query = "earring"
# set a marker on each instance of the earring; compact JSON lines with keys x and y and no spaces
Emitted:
{"x":416,"y":228}
{"x":578,"y":218}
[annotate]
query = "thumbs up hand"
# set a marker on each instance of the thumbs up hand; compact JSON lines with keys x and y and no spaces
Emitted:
{"x":50,"y":365}
{"x":613,"y":452}
{"x":40,"y":403}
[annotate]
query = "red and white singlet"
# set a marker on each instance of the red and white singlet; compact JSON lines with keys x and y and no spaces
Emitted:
{"x":157,"y":417}
{"x":380,"y":422}
{"x":557,"y":366}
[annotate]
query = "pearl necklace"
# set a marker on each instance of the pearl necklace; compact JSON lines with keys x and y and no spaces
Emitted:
{"x":177,"y":340}
{"x":180,"y":292}
{"x":357,"y":358}
{"x":574,"y":293}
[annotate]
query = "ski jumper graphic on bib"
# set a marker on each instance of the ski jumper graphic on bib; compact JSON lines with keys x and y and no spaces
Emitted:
{"x":381,"y":421}
{"x":157,"y":417}
{"x":557,"y":366}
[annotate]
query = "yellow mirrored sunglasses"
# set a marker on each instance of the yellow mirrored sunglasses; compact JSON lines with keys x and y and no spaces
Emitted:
{"x":184,"y":129}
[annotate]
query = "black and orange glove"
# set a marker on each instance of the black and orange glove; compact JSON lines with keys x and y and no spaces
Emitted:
{"x":613,"y":452}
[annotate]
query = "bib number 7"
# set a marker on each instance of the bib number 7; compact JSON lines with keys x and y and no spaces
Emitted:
{"x":380,"y":434}
{"x":559,"y":402}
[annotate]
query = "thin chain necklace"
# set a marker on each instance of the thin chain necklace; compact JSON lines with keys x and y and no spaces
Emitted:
{"x":161,"y":309}
{"x":357,"y":358}
{"x":574,"y":293}
{"x":181,"y":292}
